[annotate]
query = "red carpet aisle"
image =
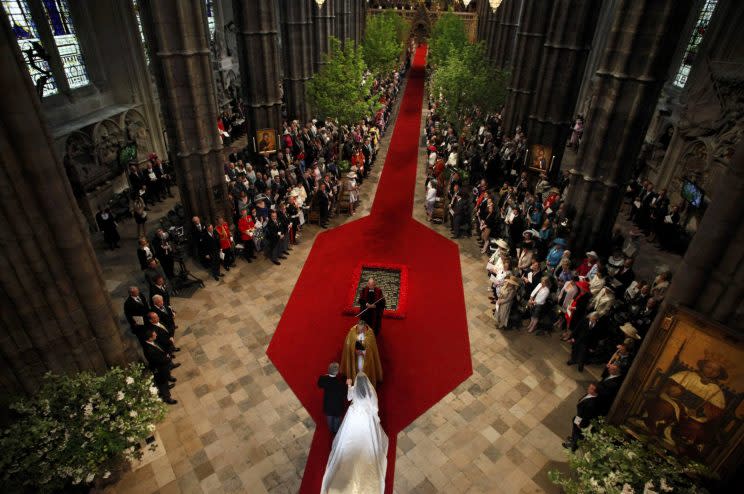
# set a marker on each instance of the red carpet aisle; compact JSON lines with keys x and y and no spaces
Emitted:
{"x":424,"y":355}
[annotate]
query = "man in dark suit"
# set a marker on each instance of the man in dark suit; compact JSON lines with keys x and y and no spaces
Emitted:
{"x":608,"y":387}
{"x":587,"y":409}
{"x":284,"y":223}
{"x":584,"y":338}
{"x":457,"y":210}
{"x":211,"y":244}
{"x":274,"y":238}
{"x":324,"y":203}
{"x":198,"y":230}
{"x":165,"y":314}
{"x":135,"y":310}
{"x":162,"y":337}
{"x":160,"y":364}
{"x":160,"y":288}
{"x":334,"y":394}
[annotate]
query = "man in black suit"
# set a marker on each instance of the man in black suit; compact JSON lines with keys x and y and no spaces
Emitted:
{"x":274,"y":238}
{"x":324,"y":204}
{"x":160,"y":288}
{"x":211,"y":244}
{"x":135,"y":310}
{"x":160,"y":364}
{"x":284,"y":223}
{"x":198,"y":230}
{"x":587,"y":409}
{"x":334,"y":393}
{"x":165,"y":313}
{"x":457,"y":210}
{"x":584,"y":338}
{"x":162,"y":336}
{"x":608,"y":387}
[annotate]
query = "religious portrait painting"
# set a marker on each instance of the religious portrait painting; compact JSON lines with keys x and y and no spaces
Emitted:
{"x":541,"y":158}
{"x":690,"y":398}
{"x":266,"y":141}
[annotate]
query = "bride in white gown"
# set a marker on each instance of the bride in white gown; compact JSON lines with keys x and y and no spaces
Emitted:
{"x":358,"y":459}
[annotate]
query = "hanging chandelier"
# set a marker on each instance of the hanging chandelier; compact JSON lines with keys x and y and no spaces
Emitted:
{"x":494,"y":4}
{"x":320,"y":3}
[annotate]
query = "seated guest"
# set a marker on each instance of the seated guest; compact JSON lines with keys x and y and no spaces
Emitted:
{"x":538,"y":299}
{"x":246,"y":228}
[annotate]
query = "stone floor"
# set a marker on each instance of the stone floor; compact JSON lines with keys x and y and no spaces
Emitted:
{"x":238,"y":427}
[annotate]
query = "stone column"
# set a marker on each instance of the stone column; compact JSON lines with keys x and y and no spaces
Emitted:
{"x":491,"y":31}
{"x":323,"y":25}
{"x":536,"y":16}
{"x":483,"y":10}
{"x":558,"y":81}
{"x":260,"y":62}
{"x":298,"y":55}
{"x":509,"y":19}
{"x":342,"y":29}
{"x":178,"y":41}
{"x":55,"y":311}
{"x":634,"y":66}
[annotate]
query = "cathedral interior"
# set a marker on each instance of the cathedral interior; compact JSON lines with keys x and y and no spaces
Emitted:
{"x":635,"y":106}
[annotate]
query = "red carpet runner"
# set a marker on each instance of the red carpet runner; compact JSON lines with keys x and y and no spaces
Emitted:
{"x":424,"y":355}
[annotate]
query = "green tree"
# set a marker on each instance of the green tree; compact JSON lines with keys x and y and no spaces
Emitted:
{"x":468,"y":85}
{"x":448,"y":37}
{"x":340,"y":90}
{"x":384,"y":41}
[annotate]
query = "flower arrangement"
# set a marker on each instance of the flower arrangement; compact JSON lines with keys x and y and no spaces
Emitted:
{"x":344,"y":166}
{"x":78,"y":427}
{"x":611,"y":462}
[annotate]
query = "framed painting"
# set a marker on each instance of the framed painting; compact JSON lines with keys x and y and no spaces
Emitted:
{"x":686,"y":393}
{"x":541,"y":158}
{"x":266,"y":141}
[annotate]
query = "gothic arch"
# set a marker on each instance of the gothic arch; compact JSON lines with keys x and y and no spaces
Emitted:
{"x":108,"y":139}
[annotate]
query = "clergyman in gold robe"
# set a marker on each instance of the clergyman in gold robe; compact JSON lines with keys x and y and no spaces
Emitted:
{"x":360,"y":353}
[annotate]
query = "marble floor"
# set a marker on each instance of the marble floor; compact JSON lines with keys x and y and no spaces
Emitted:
{"x":239,"y":428}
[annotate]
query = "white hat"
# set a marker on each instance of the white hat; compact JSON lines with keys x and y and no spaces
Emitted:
{"x":630,"y":330}
{"x":501,"y":243}
{"x":593,"y":254}
{"x":351,"y":175}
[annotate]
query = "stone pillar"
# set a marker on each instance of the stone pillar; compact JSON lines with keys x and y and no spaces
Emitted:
{"x":55,"y":311}
{"x":354,"y":7}
{"x":491,"y":32}
{"x":505,"y":42}
{"x":323,"y":25}
{"x":533,"y":25}
{"x":298,"y":55}
{"x":178,"y":41}
{"x":634,"y":66}
{"x":558,"y":81}
{"x":342,"y":29}
{"x":260,"y":62}
{"x":483,"y":10}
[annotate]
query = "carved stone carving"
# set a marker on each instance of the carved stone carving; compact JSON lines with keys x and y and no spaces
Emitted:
{"x":108,"y":138}
{"x":80,"y":161}
{"x":137,"y":132}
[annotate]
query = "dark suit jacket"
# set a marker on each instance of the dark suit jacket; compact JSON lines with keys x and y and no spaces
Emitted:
{"x":158,"y":360}
{"x":167,"y":318}
{"x":588,"y":410}
{"x":132,"y":308}
{"x":585,"y":335}
{"x":333,"y":396}
{"x":155,"y":290}
{"x":607,"y":390}
{"x":142,"y":256}
{"x":211,"y":244}
{"x":322,"y":200}
{"x":162,"y":337}
{"x":273,"y":229}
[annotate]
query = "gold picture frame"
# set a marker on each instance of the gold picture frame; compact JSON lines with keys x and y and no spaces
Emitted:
{"x":686,"y":393}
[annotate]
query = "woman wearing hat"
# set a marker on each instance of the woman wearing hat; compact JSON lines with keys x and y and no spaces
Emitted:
{"x":507,"y":294}
{"x":353,"y":190}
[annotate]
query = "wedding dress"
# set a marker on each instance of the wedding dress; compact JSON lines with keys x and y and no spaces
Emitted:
{"x":358,"y":459}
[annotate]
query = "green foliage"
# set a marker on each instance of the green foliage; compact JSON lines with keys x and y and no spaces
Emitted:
{"x":468,"y":85}
{"x":77,"y":427}
{"x":384,"y":42}
{"x":448,"y":38}
{"x":344,"y":166}
{"x":611,"y":462}
{"x":340,"y":90}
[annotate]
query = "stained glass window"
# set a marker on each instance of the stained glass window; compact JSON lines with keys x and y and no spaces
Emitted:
{"x":693,"y":47}
{"x":34,"y":54}
{"x":141,"y":31}
{"x":58,"y":14}
{"x":210,"y":18}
